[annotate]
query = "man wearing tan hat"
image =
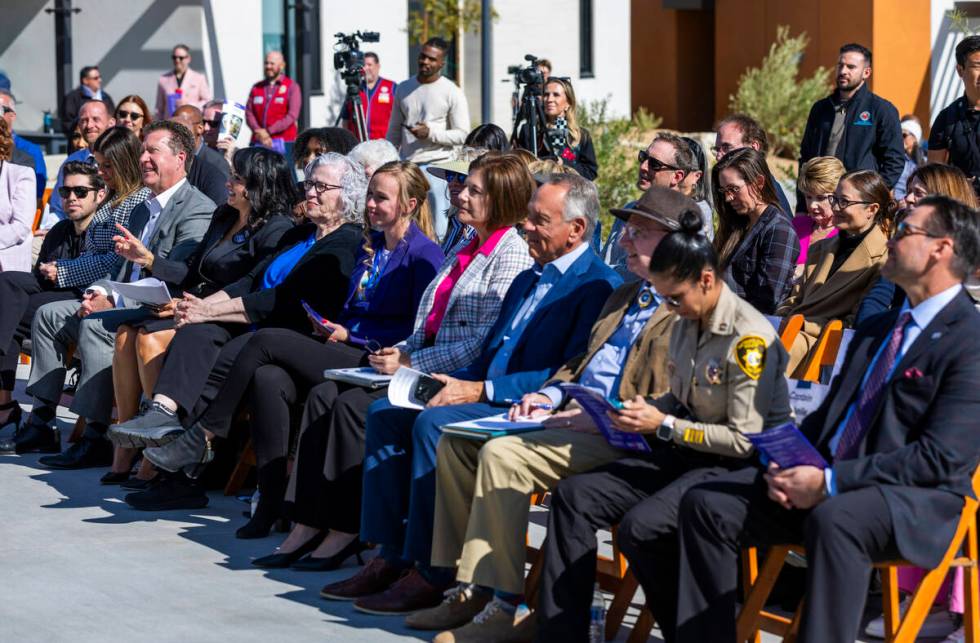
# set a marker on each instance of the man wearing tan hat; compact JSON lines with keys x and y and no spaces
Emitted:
{"x":483,"y":490}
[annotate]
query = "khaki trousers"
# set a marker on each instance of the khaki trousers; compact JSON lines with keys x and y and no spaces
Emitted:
{"x":483,"y":498}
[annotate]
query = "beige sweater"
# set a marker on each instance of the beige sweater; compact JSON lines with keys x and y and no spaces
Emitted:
{"x":440,"y":105}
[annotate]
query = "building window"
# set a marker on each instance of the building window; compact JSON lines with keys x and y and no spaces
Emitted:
{"x":585,"y":60}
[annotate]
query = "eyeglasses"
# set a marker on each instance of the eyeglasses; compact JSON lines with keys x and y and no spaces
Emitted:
{"x":905,"y":229}
{"x":838,"y":203}
{"x":656,"y":165}
{"x":633,"y":232}
{"x":7,"y":110}
{"x":176,"y":58}
{"x":673,"y":301}
{"x":94,"y":78}
{"x":319,"y":187}
{"x":731,"y":190}
{"x":132,"y":116}
{"x":722,"y":150}
{"x":214,"y":122}
{"x":79,"y":191}
{"x":455,"y":177}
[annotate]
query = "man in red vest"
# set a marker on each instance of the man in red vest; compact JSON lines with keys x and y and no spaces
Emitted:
{"x":377,"y":99}
{"x":273,"y":106}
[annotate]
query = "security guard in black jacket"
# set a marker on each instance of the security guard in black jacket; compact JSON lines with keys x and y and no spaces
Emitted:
{"x":856,"y":126}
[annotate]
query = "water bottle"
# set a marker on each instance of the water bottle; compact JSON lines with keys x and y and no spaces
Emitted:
{"x":48,"y":122}
{"x":597,"y":617}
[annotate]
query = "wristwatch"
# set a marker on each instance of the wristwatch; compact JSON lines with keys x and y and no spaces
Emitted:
{"x":666,"y":429}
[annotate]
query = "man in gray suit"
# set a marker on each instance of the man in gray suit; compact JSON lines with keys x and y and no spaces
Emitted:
{"x":170,"y":225}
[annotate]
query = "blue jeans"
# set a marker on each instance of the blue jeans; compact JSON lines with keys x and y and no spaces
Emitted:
{"x":398,"y":507}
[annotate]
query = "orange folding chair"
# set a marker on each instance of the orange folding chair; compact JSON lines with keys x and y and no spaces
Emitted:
{"x":824,"y":352}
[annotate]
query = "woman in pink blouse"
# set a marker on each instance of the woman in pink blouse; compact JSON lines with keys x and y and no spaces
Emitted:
{"x":818,"y":180}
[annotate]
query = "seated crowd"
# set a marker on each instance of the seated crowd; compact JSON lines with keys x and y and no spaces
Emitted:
{"x":670,"y":318}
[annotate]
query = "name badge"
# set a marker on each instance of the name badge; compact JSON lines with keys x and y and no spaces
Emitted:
{"x":258,"y":100}
{"x":279,"y":99}
{"x":384,"y":98}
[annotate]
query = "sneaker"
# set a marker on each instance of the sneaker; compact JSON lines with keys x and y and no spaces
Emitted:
{"x":156,"y":427}
{"x":497,"y":623}
{"x":377,"y":576}
{"x":938,"y":624}
{"x":958,"y":636}
{"x":460,"y":605}
{"x":189,"y":451}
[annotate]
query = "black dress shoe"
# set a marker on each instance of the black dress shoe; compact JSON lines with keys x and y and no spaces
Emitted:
{"x":135,"y":484}
{"x":330,"y":563}
{"x":283,"y":560}
{"x":115,"y":477}
{"x":35,"y":437}
{"x":174,"y":491}
{"x":13,"y":418}
{"x":84,"y":454}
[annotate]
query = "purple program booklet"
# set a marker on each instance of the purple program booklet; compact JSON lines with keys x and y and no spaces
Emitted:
{"x":597,"y":406}
{"x":787,"y":447}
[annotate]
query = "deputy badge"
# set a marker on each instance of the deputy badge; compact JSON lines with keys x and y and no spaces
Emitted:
{"x":750,"y":355}
{"x":712,"y":372}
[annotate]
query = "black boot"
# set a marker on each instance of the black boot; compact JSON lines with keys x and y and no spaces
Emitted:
{"x":272,"y":485}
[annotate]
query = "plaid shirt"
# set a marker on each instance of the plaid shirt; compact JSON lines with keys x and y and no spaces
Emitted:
{"x":99,"y":259}
{"x":473,"y":307}
{"x":760,"y":271}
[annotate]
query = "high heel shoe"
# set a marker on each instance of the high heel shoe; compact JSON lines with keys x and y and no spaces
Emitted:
{"x":285,"y":559}
{"x":15,"y":414}
{"x":313,"y":564}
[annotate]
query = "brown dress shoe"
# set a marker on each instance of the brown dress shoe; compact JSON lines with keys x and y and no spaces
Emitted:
{"x":376,"y":576}
{"x":459,"y":605}
{"x":494,"y":625}
{"x":409,"y":593}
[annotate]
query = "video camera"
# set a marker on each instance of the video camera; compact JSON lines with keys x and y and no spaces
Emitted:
{"x":348,"y":57}
{"x":529,"y":76}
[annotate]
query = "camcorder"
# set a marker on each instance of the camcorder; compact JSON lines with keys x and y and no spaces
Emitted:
{"x":530,"y":76}
{"x":348,"y":58}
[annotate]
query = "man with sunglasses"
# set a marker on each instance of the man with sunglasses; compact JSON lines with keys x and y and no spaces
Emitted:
{"x":665,"y":163}
{"x":209,"y":172}
{"x":898,"y":429}
{"x":89,"y":88}
{"x":181,"y":86}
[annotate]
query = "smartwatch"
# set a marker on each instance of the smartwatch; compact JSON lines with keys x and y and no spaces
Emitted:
{"x":666,"y":429}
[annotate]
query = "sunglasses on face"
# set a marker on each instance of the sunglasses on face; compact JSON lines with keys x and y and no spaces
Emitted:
{"x":131,"y":116}
{"x":319,"y":187}
{"x":79,"y":191}
{"x":7,"y":110}
{"x":655,"y":164}
{"x":214,"y":122}
{"x":455,"y":177}
{"x":178,"y":58}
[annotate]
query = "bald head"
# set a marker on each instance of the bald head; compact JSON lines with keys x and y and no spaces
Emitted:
{"x":191,"y":118}
{"x":93,"y":119}
{"x":274,"y":65}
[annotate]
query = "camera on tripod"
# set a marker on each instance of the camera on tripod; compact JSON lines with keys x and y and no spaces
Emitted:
{"x":531,"y":77}
{"x":348,"y":59}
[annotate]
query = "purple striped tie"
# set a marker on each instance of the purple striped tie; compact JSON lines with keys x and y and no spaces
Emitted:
{"x":860,"y":420}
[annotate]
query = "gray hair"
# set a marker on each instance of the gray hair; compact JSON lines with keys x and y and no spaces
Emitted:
{"x":581,"y":200}
{"x":373,"y":154}
{"x":353,"y":184}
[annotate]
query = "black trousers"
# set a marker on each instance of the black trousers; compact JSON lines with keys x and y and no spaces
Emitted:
{"x":21,"y":294}
{"x":843,"y":536}
{"x":197,"y":362}
{"x":642,"y":494}
{"x":325,"y":489}
{"x":273,"y":372}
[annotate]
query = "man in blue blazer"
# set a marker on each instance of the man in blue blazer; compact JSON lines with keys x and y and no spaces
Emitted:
{"x":544,"y":321}
{"x":899,"y":431}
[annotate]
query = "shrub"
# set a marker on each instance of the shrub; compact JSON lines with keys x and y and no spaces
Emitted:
{"x":616,"y":141}
{"x":772,"y":94}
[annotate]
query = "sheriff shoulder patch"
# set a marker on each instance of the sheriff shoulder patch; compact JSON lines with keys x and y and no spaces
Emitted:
{"x":750,"y":355}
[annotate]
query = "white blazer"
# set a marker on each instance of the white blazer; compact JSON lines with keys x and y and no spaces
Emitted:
{"x":18,"y":202}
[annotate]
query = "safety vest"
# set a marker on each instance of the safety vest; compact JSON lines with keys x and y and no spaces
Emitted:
{"x":269,"y":103}
{"x":377,"y":108}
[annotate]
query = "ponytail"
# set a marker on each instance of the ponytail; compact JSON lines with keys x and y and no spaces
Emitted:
{"x":684,"y":254}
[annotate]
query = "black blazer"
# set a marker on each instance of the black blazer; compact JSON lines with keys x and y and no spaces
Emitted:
{"x":922,"y":449}
{"x":209,"y":173}
{"x":320,"y":277}
{"x":72,"y":102}
{"x":872,"y":138}
{"x":211,"y":267}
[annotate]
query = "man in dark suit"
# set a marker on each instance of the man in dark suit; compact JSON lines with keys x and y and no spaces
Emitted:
{"x":544,"y":321}
{"x":898,"y":428}
{"x":209,"y":171}
{"x":169,"y":225}
{"x":89,"y":88}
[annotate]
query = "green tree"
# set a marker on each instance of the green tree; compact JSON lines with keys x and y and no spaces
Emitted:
{"x":616,"y":141}
{"x":773,"y":95}
{"x":442,"y":18}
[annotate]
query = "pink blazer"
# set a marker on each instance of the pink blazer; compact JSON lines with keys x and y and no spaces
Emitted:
{"x":194,"y":87}
{"x":18,"y":202}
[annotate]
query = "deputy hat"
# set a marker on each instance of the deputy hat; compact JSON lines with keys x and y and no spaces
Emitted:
{"x":662,"y":205}
{"x":439,"y":169}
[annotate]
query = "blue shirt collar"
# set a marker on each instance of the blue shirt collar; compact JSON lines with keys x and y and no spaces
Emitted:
{"x":564,"y":262}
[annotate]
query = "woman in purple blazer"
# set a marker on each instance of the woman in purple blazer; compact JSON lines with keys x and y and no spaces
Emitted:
{"x":17,"y":204}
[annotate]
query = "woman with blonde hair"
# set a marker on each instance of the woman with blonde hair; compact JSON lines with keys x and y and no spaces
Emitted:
{"x":576,"y":150}
{"x":840,"y":270}
{"x":817,"y":182}
{"x":278,"y":366}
